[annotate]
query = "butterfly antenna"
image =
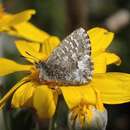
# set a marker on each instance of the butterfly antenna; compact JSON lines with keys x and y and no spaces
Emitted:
{"x":33,"y":57}
{"x":28,"y":58}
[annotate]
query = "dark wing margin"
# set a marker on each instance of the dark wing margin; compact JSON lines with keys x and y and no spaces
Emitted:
{"x":70,"y":63}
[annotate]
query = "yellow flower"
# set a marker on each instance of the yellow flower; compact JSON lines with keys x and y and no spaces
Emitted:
{"x":18,"y":25}
{"x":29,"y":92}
{"x":28,"y":89}
{"x":78,"y":118}
{"x":7,"y":21}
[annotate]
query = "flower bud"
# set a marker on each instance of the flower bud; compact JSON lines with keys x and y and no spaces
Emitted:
{"x":87,"y":119}
{"x":99,"y":119}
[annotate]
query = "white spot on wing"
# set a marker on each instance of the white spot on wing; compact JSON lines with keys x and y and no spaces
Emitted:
{"x":76,"y":42}
{"x":71,"y":44}
{"x":81,"y":65}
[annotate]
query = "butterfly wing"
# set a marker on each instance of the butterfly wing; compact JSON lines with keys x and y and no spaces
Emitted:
{"x":70,"y":63}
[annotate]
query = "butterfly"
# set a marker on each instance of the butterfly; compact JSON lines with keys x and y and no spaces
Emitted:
{"x":70,"y":63}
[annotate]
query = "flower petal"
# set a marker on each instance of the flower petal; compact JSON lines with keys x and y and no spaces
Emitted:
{"x":114,"y":87}
{"x":11,"y":91}
{"x":74,"y":95}
{"x":30,"y":50}
{"x":44,"y":102}
{"x":100,"y":39}
{"x":50,"y":44}
{"x":102,"y":60}
{"x":100,"y":63}
{"x":9,"y":66}
{"x":30,"y":32}
{"x":22,"y":97}
{"x":112,"y":58}
{"x":9,"y":20}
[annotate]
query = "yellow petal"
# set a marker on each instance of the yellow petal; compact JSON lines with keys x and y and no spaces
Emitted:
{"x":22,"y":97}
{"x":75,"y":95}
{"x":100,"y":39}
{"x":11,"y":91}
{"x":102,"y":60}
{"x":44,"y":102}
{"x":30,"y":50}
{"x":9,"y":20}
{"x":112,"y":58}
{"x":100,"y":63}
{"x":9,"y":66}
{"x":30,"y":32}
{"x":50,"y":44}
{"x":114,"y":87}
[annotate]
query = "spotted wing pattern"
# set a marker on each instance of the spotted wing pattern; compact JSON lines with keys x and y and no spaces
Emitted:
{"x":70,"y":63}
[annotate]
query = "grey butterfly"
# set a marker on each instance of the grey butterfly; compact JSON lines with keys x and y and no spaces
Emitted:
{"x":70,"y":63}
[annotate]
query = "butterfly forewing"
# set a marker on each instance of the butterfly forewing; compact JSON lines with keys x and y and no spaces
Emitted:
{"x":70,"y":63}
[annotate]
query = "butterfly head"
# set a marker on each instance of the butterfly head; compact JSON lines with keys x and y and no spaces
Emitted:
{"x":42,"y":68}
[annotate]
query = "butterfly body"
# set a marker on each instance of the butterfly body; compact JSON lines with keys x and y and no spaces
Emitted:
{"x":70,"y":63}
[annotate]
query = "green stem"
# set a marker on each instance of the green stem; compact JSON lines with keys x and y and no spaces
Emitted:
{"x":59,"y":117}
{"x":51,"y":124}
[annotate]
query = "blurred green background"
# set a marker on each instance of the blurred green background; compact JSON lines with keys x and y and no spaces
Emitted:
{"x":60,"y":17}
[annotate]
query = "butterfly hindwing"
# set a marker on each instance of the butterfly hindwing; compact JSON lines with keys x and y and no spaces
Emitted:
{"x":70,"y":62}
